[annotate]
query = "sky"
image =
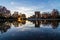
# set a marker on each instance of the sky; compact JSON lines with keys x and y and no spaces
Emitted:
{"x":28,"y":7}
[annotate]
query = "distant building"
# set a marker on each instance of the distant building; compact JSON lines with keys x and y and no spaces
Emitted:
{"x":54,"y":13}
{"x":45,"y":15}
{"x":37,"y":14}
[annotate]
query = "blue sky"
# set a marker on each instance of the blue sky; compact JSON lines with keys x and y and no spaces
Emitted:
{"x":30,"y":6}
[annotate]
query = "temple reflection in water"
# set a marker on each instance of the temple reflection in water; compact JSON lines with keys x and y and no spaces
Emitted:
{"x":4,"y":26}
{"x":53,"y":23}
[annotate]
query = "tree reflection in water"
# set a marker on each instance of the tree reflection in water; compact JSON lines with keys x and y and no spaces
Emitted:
{"x":4,"y":26}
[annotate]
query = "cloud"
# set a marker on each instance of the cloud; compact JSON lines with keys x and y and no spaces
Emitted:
{"x":25,"y":10}
{"x":28,"y":10}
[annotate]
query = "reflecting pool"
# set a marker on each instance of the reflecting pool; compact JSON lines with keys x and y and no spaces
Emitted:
{"x":30,"y":30}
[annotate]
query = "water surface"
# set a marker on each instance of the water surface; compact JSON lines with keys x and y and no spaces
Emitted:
{"x":30,"y":30}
